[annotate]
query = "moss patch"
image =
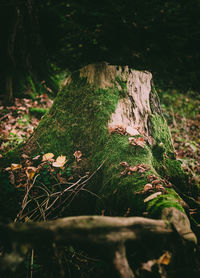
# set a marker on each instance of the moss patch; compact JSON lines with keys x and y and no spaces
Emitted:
{"x":171,"y":199}
{"x":79,"y":115}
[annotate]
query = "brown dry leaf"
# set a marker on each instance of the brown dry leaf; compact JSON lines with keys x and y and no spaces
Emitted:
{"x":152,"y":177}
{"x":117,"y":129}
{"x":12,"y":178}
{"x":147,"y":187}
{"x":30,"y":172}
{"x":25,"y":156}
{"x":78,"y":155}
{"x":61,"y":179}
{"x":156,"y":182}
{"x":60,"y":161}
{"x":137,"y":141}
{"x":47,"y":156}
{"x":124,"y":163}
{"x":36,"y":157}
{"x":148,"y":265}
{"x":140,"y":142}
{"x":160,"y":187}
{"x":165,"y":258}
{"x":123,"y":173}
{"x":15,"y":166}
{"x":133,"y":168}
{"x":1,"y":155}
{"x":131,"y":140}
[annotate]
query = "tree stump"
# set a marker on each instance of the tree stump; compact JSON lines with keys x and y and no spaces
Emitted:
{"x":112,"y":114}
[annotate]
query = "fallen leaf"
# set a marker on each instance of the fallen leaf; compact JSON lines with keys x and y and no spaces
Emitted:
{"x":123,"y":173}
{"x":78,"y":155}
{"x":124,"y":163}
{"x":12,"y":178}
{"x":147,"y":187}
{"x":8,"y":169}
{"x":140,"y":142}
{"x":47,"y":156}
{"x":160,"y":187}
{"x":36,"y":157}
{"x":60,"y":161}
{"x":156,"y":182}
{"x":152,"y":196}
{"x":133,"y":168}
{"x":137,"y":141}
{"x":24,"y":156}
{"x":165,"y":258}
{"x":148,"y":265}
{"x":117,"y":129}
{"x":30,"y":172}
{"x":15,"y":166}
{"x":61,"y":179}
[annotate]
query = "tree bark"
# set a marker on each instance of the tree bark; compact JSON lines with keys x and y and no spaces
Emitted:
{"x":10,"y":54}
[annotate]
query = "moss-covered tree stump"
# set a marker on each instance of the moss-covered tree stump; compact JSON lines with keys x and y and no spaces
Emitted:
{"x":113,"y":116}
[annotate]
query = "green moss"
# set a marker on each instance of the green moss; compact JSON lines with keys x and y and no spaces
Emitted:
{"x":119,"y":192}
{"x":174,"y":171}
{"x":164,"y":159}
{"x":160,"y":132}
{"x":38,"y":112}
{"x":79,"y":115}
{"x":12,"y":156}
{"x":156,"y":206}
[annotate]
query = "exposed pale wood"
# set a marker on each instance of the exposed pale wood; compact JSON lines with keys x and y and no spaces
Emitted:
{"x":133,"y":110}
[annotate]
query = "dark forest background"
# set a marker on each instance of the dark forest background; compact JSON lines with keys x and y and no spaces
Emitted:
{"x":42,"y":39}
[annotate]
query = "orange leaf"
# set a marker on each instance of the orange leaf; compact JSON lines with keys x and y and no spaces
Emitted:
{"x":165,"y":258}
{"x":60,"y":161}
{"x":15,"y":166}
{"x":47,"y":156}
{"x":30,"y":172}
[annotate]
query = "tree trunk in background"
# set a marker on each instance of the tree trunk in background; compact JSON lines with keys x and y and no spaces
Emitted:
{"x":11,"y":64}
